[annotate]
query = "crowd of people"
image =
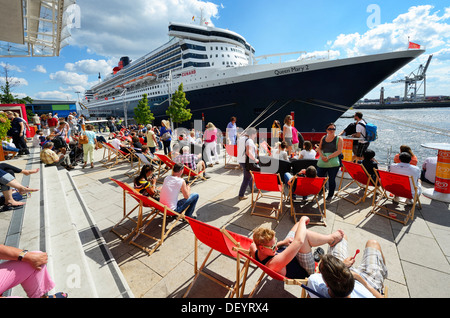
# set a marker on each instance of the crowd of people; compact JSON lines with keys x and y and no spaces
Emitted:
{"x":293,"y":257}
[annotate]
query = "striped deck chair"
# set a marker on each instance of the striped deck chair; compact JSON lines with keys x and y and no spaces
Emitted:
{"x":142,"y":222}
{"x":223,"y":241}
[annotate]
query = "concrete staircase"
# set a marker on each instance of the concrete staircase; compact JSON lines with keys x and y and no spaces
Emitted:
{"x":57,"y":221}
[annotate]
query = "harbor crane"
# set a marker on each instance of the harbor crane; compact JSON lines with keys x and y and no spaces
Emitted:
{"x":415,"y":81}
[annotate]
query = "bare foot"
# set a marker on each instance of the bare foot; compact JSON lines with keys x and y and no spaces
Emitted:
{"x":14,"y":203}
{"x":26,"y":190}
{"x":28,"y":172}
{"x":336,"y":237}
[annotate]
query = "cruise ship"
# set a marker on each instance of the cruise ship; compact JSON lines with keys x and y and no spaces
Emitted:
{"x":221,"y":78}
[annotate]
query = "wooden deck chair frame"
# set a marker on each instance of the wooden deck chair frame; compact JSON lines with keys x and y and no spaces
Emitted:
{"x":230,"y":153}
{"x":383,"y":187}
{"x":106,"y":153}
{"x":167,"y":162}
{"x":300,"y":191}
{"x":115,"y":156}
{"x":275,"y":186}
{"x":225,"y":242}
{"x":9,"y":154}
{"x":156,"y":208}
{"x":266,"y":271}
{"x":361,"y":178}
{"x":193,"y":174}
{"x":135,"y":168}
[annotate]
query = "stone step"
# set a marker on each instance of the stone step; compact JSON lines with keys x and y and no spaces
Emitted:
{"x":56,"y":220}
{"x":107,"y":276}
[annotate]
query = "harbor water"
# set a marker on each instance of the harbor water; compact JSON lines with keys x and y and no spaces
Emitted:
{"x":396,"y":127}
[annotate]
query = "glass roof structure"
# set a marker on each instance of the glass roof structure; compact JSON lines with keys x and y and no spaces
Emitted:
{"x":36,"y":27}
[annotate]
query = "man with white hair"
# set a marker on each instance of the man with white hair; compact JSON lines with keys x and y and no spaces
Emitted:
{"x":194,"y":162}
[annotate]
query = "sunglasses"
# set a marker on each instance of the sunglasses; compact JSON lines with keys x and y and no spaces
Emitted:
{"x":274,"y":247}
{"x":331,"y":128}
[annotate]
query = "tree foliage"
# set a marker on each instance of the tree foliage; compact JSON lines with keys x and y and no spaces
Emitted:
{"x":142,"y":112}
{"x":6,"y":95}
{"x":177,"y":109}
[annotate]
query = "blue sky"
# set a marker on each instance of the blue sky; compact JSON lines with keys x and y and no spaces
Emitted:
{"x":110,"y":29}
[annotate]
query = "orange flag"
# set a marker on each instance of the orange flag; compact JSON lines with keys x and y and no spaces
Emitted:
{"x":413,"y":46}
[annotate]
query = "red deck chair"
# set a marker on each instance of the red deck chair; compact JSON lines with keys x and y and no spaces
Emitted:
{"x":398,"y":185}
{"x":309,"y":186}
{"x":156,"y":208}
{"x":167,"y":162}
{"x":115,"y":156}
{"x":224,"y":242}
{"x":230,"y":153}
{"x":269,"y":272}
{"x":361,"y":178}
{"x":267,"y":182}
{"x":192,"y":174}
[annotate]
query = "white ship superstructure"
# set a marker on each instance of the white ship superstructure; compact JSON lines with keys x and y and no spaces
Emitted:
{"x":220,"y":80}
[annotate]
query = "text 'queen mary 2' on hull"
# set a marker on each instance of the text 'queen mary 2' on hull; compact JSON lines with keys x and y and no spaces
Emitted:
{"x":220,"y":81}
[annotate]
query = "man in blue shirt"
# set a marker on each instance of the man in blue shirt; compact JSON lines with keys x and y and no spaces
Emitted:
{"x":231,"y":131}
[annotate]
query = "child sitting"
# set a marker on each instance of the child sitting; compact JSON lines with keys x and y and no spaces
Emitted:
{"x":369,"y":163}
{"x":309,"y":172}
{"x":307,"y":152}
{"x":281,"y":153}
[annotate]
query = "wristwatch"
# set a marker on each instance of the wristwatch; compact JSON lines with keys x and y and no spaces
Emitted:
{"x":22,"y":255}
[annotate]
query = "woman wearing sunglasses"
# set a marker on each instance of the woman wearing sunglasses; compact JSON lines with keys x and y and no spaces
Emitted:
{"x":291,"y":257}
{"x":330,"y":148}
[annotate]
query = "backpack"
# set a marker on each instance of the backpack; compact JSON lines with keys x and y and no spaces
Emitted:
{"x":371,"y":132}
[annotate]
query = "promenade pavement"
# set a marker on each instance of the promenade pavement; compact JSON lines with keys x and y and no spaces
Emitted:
{"x":417,"y":254}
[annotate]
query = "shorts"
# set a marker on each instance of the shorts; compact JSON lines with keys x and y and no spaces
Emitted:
{"x":305,"y":260}
{"x":372,"y":267}
{"x":288,"y":141}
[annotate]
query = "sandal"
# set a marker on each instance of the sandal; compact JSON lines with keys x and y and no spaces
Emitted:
{"x":10,"y":207}
{"x":318,"y":254}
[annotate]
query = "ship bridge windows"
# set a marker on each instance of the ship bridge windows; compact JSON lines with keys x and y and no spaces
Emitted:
{"x":196,"y":64}
{"x":187,"y":46}
{"x":195,"y":56}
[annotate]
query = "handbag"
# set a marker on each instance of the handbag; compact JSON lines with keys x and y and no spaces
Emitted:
{"x":165,"y":136}
{"x":83,"y":139}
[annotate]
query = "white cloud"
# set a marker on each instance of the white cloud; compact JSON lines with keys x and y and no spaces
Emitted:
{"x":69,"y":78}
{"x":419,"y":24}
{"x":133,"y":30}
{"x":53,"y":95}
{"x":91,"y":67}
{"x":40,"y":69}
{"x":11,"y":67}
{"x":14,"y":81}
